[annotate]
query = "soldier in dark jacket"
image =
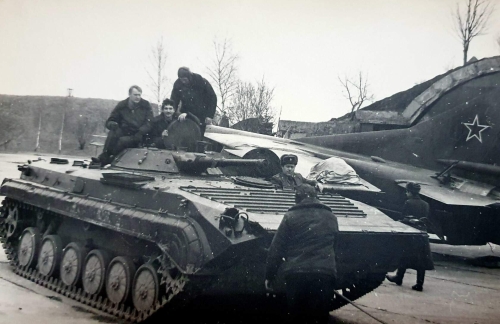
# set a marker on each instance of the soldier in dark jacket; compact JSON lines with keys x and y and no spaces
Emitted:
{"x":304,"y":247}
{"x":288,"y":179}
{"x":414,"y":209}
{"x":194,"y":95}
{"x":127,"y":125}
{"x":160,"y":123}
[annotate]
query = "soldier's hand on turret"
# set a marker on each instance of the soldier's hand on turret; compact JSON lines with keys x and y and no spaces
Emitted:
{"x":208,"y":121}
{"x":182,"y":117}
{"x":112,"y":125}
{"x":164,"y":133}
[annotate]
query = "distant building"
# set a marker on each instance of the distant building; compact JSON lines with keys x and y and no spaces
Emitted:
{"x":295,"y":129}
{"x":370,"y":120}
{"x":254,"y":125}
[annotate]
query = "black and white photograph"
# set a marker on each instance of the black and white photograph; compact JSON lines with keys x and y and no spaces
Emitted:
{"x":248,"y":162}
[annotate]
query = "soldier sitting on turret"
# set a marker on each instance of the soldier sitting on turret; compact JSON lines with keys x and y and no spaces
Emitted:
{"x":167,"y":131}
{"x":127,"y":125}
{"x":160,"y":123}
{"x":288,"y":179}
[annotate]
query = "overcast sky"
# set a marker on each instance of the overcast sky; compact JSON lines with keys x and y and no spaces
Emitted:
{"x":100,"y":47}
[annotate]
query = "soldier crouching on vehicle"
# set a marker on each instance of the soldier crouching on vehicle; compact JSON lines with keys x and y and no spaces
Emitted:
{"x":304,"y":247}
{"x":287,"y":179}
{"x":414,"y":210}
{"x":193,"y":94}
{"x":127,"y":124}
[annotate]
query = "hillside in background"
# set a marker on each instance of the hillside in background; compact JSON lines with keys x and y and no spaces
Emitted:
{"x":20,"y":117}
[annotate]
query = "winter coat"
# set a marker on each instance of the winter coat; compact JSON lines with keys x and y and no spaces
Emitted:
{"x":159,"y":124}
{"x":284,"y":181}
{"x":417,"y":258}
{"x":198,"y":97}
{"x":305,"y":240}
{"x":132,"y":121}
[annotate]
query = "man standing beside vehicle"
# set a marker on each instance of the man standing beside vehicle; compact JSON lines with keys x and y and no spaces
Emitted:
{"x":415,"y":210}
{"x":304,"y":246}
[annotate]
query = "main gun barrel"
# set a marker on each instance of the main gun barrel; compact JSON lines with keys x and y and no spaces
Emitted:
{"x":191,"y":162}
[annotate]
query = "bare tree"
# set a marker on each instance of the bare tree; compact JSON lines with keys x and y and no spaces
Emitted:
{"x":253,"y":101}
{"x":471,"y":22}
{"x":156,"y":72}
{"x":264,"y":96}
{"x":222,"y":71}
{"x":356,"y":91}
{"x":242,"y":103}
{"x":498,"y":41}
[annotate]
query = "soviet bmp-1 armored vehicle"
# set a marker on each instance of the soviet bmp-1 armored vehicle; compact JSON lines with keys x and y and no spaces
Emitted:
{"x":160,"y":227}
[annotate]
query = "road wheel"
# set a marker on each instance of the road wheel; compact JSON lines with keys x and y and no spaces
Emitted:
{"x":72,"y":263}
{"x":146,"y":287}
{"x":50,"y":255}
{"x":94,"y":271}
{"x":12,"y":221}
{"x":119,"y":279}
{"x":28,"y":247}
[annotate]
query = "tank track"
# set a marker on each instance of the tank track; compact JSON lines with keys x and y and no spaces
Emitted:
{"x":120,"y":311}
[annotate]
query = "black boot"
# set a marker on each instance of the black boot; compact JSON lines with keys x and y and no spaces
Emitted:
{"x":420,"y":281}
{"x":417,"y":287}
{"x":395,"y":279}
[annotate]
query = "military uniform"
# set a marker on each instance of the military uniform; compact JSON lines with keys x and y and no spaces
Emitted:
{"x":287,"y":182}
{"x":414,"y":206}
{"x":304,"y":247}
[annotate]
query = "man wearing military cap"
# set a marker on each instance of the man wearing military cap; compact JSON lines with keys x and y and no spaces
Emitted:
{"x":287,"y":179}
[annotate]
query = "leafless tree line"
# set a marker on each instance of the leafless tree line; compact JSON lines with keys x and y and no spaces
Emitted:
{"x":238,"y":99}
{"x":252,"y":101}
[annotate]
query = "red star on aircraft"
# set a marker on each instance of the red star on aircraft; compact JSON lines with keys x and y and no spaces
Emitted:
{"x":475,"y":129}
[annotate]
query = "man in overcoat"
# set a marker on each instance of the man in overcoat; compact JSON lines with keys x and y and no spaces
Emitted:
{"x":193,"y":94}
{"x":414,"y":209}
{"x":128,"y":123}
{"x":304,"y":248}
